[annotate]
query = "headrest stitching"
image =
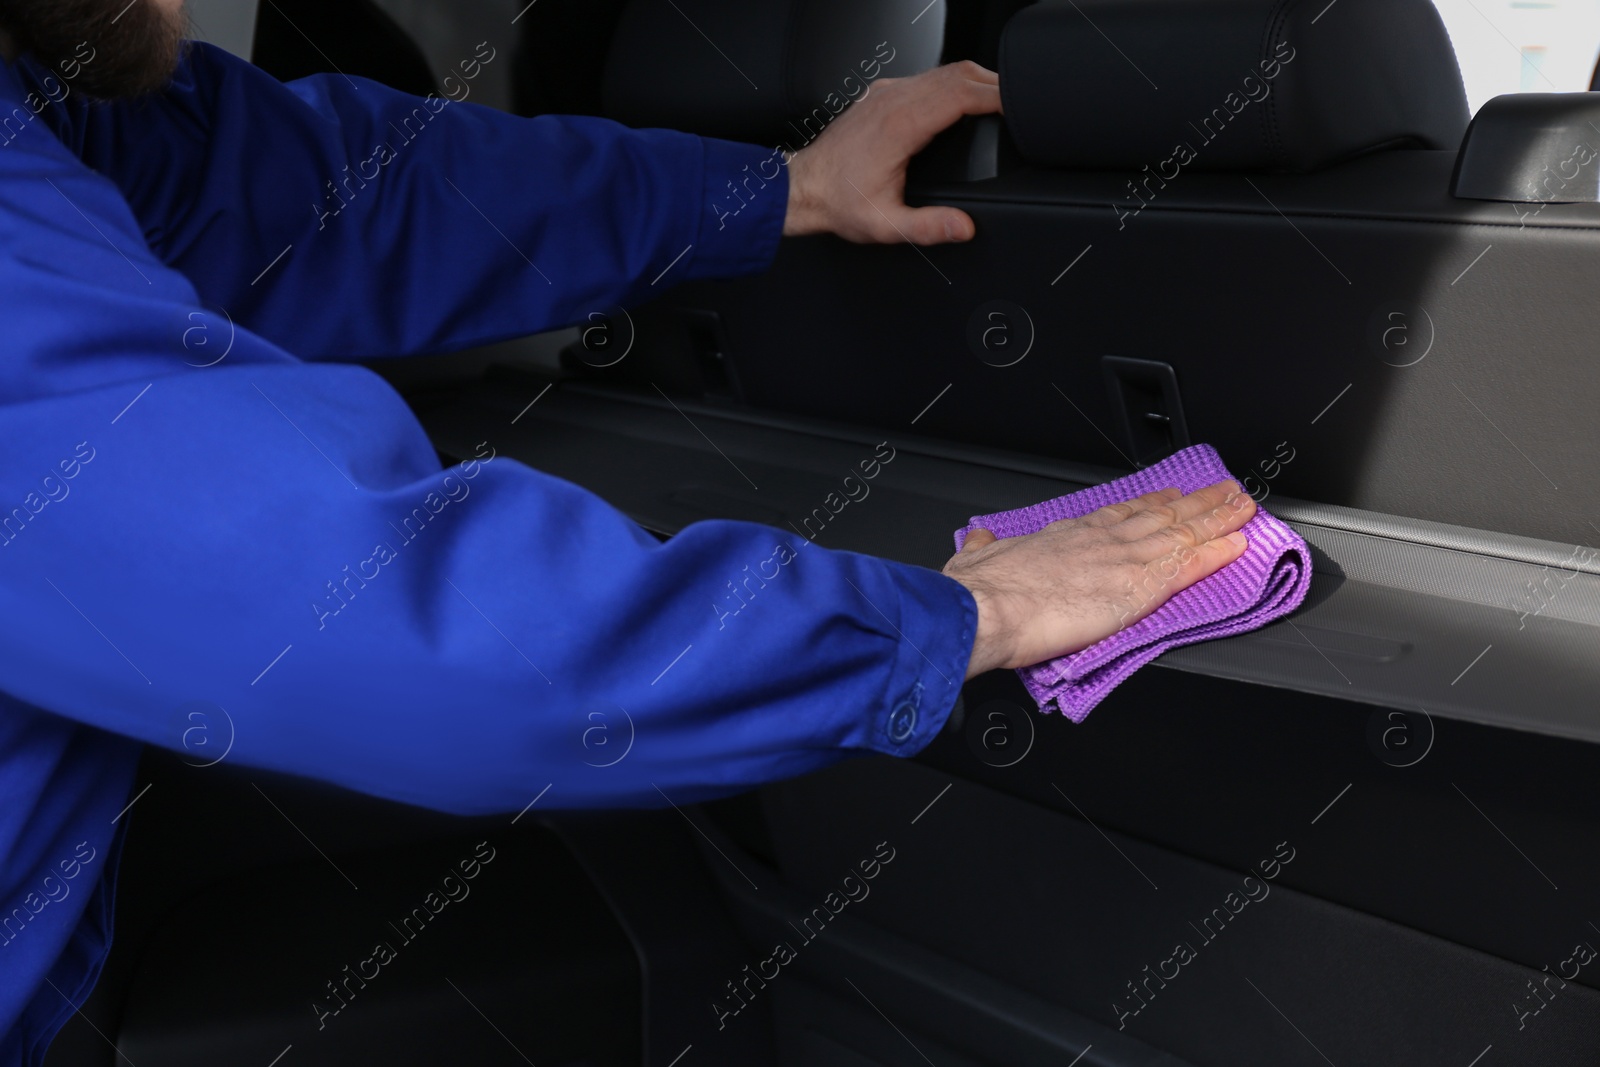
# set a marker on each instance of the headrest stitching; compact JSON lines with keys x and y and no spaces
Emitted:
{"x":1271,"y":133}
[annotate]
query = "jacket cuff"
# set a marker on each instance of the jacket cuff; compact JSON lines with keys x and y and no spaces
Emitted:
{"x":937,"y":623}
{"x":744,"y":198}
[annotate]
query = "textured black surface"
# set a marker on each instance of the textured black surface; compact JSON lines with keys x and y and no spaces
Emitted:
{"x":1259,"y":85}
{"x":762,"y":72}
{"x":232,"y":914}
{"x":1072,"y":913}
{"x":1469,"y":407}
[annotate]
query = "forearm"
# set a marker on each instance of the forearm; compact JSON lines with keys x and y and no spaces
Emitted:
{"x":457,"y":639}
{"x":343,"y":220}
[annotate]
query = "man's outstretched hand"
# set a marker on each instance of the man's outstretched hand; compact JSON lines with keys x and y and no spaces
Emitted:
{"x":851,"y":180}
{"x":1078,"y":581}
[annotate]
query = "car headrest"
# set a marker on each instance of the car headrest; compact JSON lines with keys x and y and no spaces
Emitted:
{"x":1269,"y":85}
{"x":768,"y":72}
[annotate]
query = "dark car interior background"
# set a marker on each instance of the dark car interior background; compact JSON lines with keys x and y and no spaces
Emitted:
{"x":1372,"y":825}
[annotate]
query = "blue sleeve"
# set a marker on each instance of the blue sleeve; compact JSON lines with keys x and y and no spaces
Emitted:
{"x":344,"y":220}
{"x":273,"y":540}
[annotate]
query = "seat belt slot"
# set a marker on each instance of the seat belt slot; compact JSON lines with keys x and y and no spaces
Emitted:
{"x":1146,"y":406}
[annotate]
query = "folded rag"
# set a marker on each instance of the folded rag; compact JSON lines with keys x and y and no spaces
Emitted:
{"x":1269,"y":580}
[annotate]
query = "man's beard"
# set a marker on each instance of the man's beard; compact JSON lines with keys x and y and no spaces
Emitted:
{"x":135,"y":47}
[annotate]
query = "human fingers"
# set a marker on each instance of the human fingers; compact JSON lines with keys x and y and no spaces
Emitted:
{"x":977,"y":539}
{"x":923,"y":107}
{"x":1112,"y":514}
{"x":931,"y":225}
{"x":953,"y":90}
{"x":1174,"y":512}
{"x":1178,"y":570}
{"x":1235,"y":510}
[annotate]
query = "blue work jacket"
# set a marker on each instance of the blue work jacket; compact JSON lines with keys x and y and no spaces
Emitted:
{"x":217,"y":529}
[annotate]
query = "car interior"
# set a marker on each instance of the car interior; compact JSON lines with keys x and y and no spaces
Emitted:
{"x":1363,"y":834}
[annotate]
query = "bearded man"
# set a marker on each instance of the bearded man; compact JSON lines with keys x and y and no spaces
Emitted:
{"x":205,"y":498}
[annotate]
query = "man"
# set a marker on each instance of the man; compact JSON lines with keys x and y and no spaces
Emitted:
{"x":222,"y":508}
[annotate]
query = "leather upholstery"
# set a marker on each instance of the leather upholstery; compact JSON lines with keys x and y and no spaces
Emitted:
{"x":1265,"y":85}
{"x":763,"y":72}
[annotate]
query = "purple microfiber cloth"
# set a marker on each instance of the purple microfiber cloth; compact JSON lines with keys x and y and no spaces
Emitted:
{"x":1268,"y":581}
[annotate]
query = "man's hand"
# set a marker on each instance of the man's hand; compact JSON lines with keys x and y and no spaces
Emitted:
{"x":1080,"y":580}
{"x":851,"y":180}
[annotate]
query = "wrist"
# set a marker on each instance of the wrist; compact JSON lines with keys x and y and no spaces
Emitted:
{"x":988,"y":651}
{"x":802,"y":215}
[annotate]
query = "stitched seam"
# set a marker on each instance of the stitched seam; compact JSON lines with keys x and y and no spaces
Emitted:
{"x":1266,"y":42}
{"x":1269,"y":114}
